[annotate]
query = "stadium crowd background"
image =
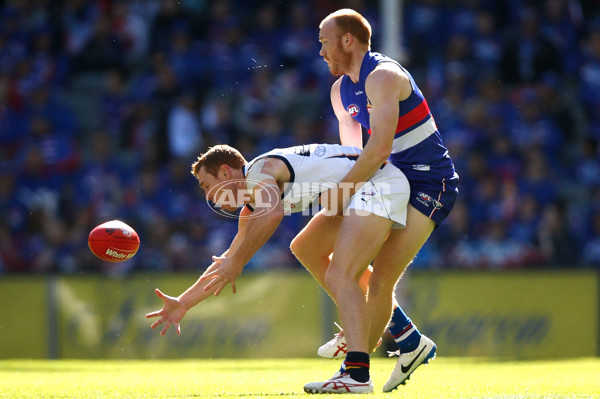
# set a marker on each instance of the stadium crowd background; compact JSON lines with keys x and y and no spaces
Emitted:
{"x":105,"y":104}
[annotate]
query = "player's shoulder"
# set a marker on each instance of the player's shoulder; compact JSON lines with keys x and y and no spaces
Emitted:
{"x":335,"y":87}
{"x":388,"y":77}
{"x":267,"y":163}
{"x":388,"y":70}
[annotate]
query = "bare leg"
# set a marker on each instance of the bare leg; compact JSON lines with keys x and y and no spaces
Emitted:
{"x":394,"y":257}
{"x":314,"y":244}
{"x":352,"y":254}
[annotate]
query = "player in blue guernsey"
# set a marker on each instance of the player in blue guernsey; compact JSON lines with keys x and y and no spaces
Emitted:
{"x":377,"y":93}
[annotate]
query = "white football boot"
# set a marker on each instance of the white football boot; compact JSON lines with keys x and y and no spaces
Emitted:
{"x":340,"y":384}
{"x":336,"y":347}
{"x":408,"y":362}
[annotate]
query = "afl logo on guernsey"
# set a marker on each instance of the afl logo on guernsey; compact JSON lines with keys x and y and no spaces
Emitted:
{"x":353,"y":109}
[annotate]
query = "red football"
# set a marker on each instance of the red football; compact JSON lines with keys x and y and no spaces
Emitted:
{"x":114,"y":241}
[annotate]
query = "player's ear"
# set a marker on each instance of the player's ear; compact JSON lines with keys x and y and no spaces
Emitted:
{"x":225,"y":172}
{"x":348,"y":39}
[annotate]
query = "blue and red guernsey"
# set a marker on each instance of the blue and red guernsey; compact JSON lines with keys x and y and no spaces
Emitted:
{"x":417,"y":146}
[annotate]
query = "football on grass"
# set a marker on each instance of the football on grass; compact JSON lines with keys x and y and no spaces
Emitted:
{"x":114,"y":241}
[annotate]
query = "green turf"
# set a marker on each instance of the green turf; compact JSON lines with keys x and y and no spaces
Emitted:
{"x":443,"y":378}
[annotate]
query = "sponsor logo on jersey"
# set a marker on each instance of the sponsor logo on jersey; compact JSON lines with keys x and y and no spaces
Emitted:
{"x":358,"y":93}
{"x":353,"y":109}
{"x":320,"y":151}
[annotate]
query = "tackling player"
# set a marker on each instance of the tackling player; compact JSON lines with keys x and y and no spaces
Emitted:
{"x":377,"y":93}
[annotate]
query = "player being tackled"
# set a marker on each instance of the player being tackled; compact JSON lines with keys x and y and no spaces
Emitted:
{"x":291,"y":180}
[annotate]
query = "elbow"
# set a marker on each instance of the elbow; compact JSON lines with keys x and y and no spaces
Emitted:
{"x":274,"y":216}
{"x":378,"y":149}
{"x":382,"y":154}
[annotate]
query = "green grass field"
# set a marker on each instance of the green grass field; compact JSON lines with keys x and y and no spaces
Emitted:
{"x":443,"y":378}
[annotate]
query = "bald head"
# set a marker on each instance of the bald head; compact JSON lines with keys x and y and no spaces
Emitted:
{"x":350,"y":21}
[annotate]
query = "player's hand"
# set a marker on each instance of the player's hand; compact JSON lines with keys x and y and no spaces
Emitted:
{"x":213,"y":266}
{"x":171,"y":313}
{"x":222,"y":272}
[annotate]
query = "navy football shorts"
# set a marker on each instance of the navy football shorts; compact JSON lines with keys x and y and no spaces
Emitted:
{"x":434,"y":200}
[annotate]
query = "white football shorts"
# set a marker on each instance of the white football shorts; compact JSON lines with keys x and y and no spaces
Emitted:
{"x":386,"y":194}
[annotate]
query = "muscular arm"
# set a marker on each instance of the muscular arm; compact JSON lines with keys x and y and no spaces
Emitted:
{"x":196,"y":293}
{"x":350,"y":130}
{"x":252,"y":234}
{"x":261,"y":228}
{"x":258,"y":229}
{"x":385,"y":87}
{"x":175,"y":308}
{"x":245,"y":213}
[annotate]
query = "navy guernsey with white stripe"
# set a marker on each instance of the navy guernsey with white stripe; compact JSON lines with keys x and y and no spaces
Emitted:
{"x":417,"y":149}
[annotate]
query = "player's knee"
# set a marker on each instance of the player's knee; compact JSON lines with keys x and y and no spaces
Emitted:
{"x":339,"y":277}
{"x":381,"y":283}
{"x":296,"y":247}
{"x":378,"y":287}
{"x":299,"y":249}
{"x":332,"y":281}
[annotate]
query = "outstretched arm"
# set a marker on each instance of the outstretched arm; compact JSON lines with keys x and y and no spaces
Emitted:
{"x":258,"y":231}
{"x":175,"y":308}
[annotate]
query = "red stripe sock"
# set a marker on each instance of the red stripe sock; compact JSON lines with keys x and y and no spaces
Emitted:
{"x":357,"y":365}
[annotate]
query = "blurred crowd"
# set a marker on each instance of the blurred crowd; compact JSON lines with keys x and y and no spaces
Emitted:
{"x":104,"y":105}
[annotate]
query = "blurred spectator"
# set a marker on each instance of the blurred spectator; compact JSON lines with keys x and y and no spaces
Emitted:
{"x":103,"y":50}
{"x":560,"y":104}
{"x":132,"y":30}
{"x":537,"y":179}
{"x":533,"y":128}
{"x":528,"y":53}
{"x":558,"y":246}
{"x":502,"y":251}
{"x":170,"y":16}
{"x":425,"y":28}
{"x":101,"y":178}
{"x":217,"y":121}
{"x":115,"y":102}
{"x":587,"y":170}
{"x":185,"y":137}
{"x":78,"y":18}
{"x":525,"y":225}
{"x":139,"y":135}
{"x":590,"y":254}
{"x":589,"y":70}
{"x":57,"y":153}
{"x":487,"y":44}
{"x":560,"y":23}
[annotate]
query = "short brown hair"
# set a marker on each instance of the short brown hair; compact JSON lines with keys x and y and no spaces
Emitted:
{"x":216,"y":156}
{"x":350,"y":21}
